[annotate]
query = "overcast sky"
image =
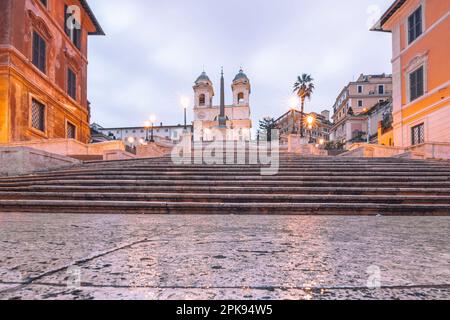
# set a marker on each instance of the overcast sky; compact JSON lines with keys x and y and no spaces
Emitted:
{"x":154,"y":50}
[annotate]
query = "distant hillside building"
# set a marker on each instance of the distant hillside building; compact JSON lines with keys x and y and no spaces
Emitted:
{"x":43,"y":69}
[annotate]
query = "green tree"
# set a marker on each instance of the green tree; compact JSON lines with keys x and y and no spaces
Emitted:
{"x":304,"y":88}
{"x":266,"y":125}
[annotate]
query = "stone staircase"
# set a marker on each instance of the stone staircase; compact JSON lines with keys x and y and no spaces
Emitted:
{"x":316,"y":186}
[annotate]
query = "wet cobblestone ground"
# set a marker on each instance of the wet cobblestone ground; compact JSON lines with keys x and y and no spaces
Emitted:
{"x":223,"y":257}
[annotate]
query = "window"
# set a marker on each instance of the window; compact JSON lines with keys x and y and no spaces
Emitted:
{"x":37,"y":115}
{"x":202,"y":100}
{"x":360,"y":103}
{"x":71,"y":131}
{"x":360,"y":89}
{"x":39,"y":52}
{"x":416,"y":84}
{"x":72,"y":27}
{"x":415,"y":25}
{"x":381,"y":89}
{"x":71,"y":84}
{"x":418,"y":134}
{"x":240,"y":98}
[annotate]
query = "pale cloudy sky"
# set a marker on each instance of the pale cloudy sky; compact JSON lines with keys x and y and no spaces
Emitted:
{"x":154,"y":50}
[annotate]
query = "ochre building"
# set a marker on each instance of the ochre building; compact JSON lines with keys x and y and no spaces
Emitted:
{"x":421,"y":70}
{"x":43,"y":69}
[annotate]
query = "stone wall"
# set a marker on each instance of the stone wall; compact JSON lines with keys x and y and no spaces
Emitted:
{"x":69,"y":147}
{"x":365,"y":150}
{"x":23,"y":160}
{"x":152,"y":150}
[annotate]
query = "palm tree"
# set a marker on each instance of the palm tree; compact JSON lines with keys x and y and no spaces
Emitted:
{"x":304,"y":88}
{"x":266,"y":125}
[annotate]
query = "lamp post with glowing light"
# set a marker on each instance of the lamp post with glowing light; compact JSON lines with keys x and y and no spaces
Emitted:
{"x":185,"y":105}
{"x":147,"y":125}
{"x":293,"y":102}
{"x":152,"y":121}
{"x":310,"y":120}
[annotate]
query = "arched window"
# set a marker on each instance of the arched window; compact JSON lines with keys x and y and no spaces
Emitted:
{"x":202,"y":100}
{"x":240,"y":98}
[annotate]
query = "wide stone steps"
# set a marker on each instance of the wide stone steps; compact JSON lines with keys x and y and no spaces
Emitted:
{"x":344,"y":186}
{"x":338,"y":190}
{"x":243,"y":178}
{"x":117,"y":173}
{"x":251,"y":183}
{"x":147,"y":207}
{"x":225,"y":198}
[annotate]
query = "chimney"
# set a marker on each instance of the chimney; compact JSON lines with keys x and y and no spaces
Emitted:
{"x":326,"y":114}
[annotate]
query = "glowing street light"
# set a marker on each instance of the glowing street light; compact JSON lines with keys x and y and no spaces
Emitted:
{"x":147,"y":125}
{"x":310,"y":120}
{"x":152,"y":122}
{"x":131,"y":140}
{"x":293,"y":103}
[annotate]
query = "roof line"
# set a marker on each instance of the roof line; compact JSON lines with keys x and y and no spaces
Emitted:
{"x":143,"y":127}
{"x":99,"y":31}
{"x":387,"y":15}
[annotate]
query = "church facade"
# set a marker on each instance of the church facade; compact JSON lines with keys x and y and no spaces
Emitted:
{"x":222,"y":122}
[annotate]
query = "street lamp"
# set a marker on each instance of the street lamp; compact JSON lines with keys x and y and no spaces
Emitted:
{"x":293,"y":103}
{"x":152,"y":121}
{"x":147,"y":126}
{"x":310,"y":120}
{"x":185,"y":104}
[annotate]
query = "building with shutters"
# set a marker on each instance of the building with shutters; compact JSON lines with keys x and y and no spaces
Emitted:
{"x":421,"y":71}
{"x":43,"y":69}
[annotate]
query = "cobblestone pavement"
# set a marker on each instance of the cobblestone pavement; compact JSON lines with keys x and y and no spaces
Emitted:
{"x":223,"y":257}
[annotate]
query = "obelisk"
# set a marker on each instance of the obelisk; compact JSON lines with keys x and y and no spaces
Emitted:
{"x":222,"y":119}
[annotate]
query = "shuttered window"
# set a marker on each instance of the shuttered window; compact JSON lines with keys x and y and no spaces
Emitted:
{"x":39,"y":52}
{"x":71,"y":29}
{"x":416,"y":84}
{"x":71,"y":84}
{"x":415,"y":25}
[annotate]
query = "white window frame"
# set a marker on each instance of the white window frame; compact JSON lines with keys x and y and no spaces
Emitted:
{"x":414,"y":65}
{"x":362,"y":89}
